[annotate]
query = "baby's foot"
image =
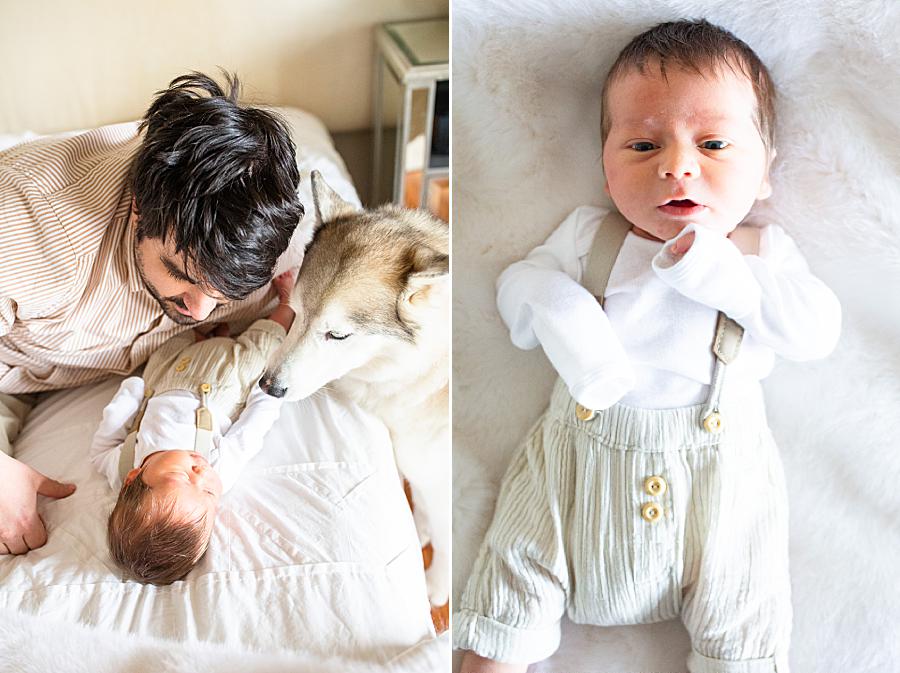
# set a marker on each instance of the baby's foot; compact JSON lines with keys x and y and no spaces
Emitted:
{"x":284,"y":285}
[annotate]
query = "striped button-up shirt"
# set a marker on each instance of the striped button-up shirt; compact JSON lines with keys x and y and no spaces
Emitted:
{"x":73,"y":307}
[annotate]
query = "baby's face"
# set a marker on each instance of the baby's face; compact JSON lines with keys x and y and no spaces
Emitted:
{"x":684,"y":149}
{"x":185,"y":476}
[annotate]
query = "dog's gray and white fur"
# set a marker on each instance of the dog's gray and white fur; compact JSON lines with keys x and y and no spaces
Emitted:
{"x":373,"y":314}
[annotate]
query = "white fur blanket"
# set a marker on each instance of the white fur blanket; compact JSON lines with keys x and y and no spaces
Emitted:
{"x":526,"y":150}
{"x":25,"y":648}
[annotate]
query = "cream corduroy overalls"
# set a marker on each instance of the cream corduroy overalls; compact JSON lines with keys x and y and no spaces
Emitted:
{"x":221,"y":371}
{"x":632,"y":516}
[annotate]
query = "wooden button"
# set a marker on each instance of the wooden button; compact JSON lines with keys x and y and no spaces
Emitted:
{"x":713,"y":423}
{"x":583,"y":413}
{"x":655,"y":485}
{"x":651,"y":512}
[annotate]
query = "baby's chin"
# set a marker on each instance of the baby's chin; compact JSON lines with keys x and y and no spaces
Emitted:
{"x":666,"y":231}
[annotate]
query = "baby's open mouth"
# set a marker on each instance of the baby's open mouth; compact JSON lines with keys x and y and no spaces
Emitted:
{"x":682,"y":207}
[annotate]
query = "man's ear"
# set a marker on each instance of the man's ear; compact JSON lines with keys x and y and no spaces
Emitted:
{"x":132,"y":475}
{"x":429,"y":269}
{"x":329,"y":204}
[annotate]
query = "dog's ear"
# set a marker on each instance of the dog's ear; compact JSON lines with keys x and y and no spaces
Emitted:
{"x":329,"y":204}
{"x":430,"y":269}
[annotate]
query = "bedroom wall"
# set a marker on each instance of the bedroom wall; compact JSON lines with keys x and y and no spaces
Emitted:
{"x":67,"y":65}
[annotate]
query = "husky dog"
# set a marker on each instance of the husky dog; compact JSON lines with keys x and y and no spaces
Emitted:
{"x":373,"y":315}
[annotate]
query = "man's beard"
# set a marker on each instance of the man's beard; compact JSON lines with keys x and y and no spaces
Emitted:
{"x":167,"y":305}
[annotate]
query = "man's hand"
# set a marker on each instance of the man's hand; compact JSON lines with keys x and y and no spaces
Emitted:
{"x":21,"y":528}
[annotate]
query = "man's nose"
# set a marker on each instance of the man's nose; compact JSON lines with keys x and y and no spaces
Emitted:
{"x":679,"y":163}
{"x":200,"y":305}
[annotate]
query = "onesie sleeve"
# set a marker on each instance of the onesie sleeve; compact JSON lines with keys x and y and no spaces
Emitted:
{"x":244,"y":438}
{"x":118,"y":416}
{"x":773,"y":295}
{"x":541,"y":301}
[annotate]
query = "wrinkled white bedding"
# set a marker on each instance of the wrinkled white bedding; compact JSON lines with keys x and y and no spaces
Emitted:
{"x":313,"y":550}
{"x":526,"y":151}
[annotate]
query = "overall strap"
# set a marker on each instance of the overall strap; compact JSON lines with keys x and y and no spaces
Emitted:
{"x":126,"y":455}
{"x":605,"y":249}
{"x":726,"y":346}
{"x":203,"y":436}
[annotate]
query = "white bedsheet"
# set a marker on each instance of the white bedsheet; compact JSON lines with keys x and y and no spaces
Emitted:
{"x":526,"y":150}
{"x":314,"y":549}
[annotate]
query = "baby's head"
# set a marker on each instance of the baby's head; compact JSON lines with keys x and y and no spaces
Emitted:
{"x":162,"y":521}
{"x":688,"y":123}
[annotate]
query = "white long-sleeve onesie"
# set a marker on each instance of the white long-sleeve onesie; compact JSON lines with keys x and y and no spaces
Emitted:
{"x":169,"y":423}
{"x":650,"y":346}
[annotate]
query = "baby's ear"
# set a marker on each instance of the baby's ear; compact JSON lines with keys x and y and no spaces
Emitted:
{"x":132,"y":475}
{"x":765,"y":187}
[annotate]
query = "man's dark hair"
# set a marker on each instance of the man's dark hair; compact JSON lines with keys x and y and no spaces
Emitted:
{"x":221,"y":179}
{"x":698,"y":46}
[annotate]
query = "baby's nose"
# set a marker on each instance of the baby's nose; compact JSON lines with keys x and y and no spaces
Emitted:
{"x":679,"y":164}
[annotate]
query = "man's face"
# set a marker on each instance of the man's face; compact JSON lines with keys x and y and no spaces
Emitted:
{"x":175,"y":287}
{"x":684,"y":150}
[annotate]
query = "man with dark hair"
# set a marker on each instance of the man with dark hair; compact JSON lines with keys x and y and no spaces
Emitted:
{"x":114,"y":240}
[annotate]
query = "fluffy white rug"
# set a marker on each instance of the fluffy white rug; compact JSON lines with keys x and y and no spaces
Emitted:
{"x":526,"y":150}
{"x":24,"y":648}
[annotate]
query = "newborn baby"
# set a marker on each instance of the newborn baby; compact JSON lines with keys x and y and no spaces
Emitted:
{"x":177,"y":437}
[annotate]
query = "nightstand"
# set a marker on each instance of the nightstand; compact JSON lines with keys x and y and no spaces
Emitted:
{"x":411,"y":157}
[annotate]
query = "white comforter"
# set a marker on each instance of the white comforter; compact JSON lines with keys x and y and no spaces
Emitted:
{"x":314,"y":550}
{"x":526,"y":151}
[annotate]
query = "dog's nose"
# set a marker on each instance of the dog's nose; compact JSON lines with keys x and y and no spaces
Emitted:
{"x":268,"y":386}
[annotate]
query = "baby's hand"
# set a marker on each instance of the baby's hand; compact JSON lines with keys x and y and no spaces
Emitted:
{"x":284,"y":285}
{"x":682,"y":245}
{"x":746,"y":239}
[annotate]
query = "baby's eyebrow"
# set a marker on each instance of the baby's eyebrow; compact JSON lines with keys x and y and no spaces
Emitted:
{"x":701,"y":117}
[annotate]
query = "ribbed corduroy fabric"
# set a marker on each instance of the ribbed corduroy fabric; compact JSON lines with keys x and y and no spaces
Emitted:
{"x":231,"y":365}
{"x":568,"y":535}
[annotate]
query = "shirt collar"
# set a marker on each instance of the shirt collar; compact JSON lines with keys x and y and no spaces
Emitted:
{"x":135,"y":284}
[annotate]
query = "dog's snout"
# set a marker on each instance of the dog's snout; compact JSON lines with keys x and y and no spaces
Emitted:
{"x":267,"y":383}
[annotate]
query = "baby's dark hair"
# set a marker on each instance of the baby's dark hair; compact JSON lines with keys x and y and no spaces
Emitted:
{"x":702,"y":47}
{"x":150,"y":540}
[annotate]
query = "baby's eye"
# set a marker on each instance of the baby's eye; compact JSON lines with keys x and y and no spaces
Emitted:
{"x":714,"y":144}
{"x":642,"y":147}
